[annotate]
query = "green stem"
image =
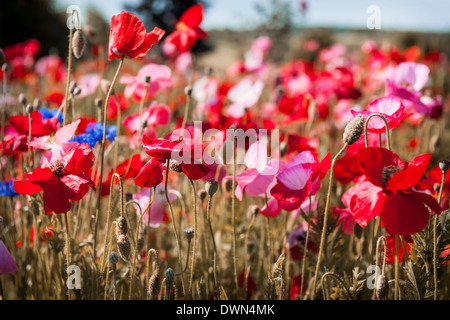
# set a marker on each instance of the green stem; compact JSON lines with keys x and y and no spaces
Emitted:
{"x":195,"y":236}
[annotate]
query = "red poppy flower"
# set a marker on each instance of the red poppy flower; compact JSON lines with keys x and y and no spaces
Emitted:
{"x":128,"y":37}
{"x":390,"y":244}
{"x":63,"y":181}
{"x":162,"y":149}
{"x":20,"y":123}
{"x":388,"y":192}
{"x":187,"y":31}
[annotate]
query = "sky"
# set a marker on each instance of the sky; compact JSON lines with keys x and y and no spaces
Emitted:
{"x":423,"y":15}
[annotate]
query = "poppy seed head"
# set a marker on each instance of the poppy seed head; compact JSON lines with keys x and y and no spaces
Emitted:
{"x":169,"y":274}
{"x":388,"y":172}
{"x":444,"y":165}
{"x":354,"y":129}
{"x":175,"y":166}
{"x":211,"y":187}
{"x":57,"y":168}
{"x":114,"y":257}
{"x":189,"y":233}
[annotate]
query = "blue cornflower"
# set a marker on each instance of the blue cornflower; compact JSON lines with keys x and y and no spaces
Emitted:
{"x":94,"y":134}
{"x":47,"y":114}
{"x":7,"y":188}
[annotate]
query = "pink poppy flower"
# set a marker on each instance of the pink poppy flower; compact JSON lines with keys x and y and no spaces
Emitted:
{"x":300,"y":177}
{"x":259,"y":178}
{"x":7,"y":263}
{"x":244,"y":95}
{"x":390,"y":107}
{"x":58,"y":145}
{"x":160,"y":79}
{"x":405,"y":81}
{"x":158,"y":206}
{"x":254,"y":58}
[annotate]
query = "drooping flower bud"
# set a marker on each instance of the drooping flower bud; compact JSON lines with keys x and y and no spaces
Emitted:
{"x":22,"y":99}
{"x":122,"y":226}
{"x":36,"y":104}
{"x":78,"y":43}
{"x":354,"y":129}
{"x":188,"y":90}
{"x":124,"y":247}
{"x":383,"y":288}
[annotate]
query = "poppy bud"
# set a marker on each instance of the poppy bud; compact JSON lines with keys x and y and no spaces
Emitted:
{"x":444,"y":165}
{"x":383,"y":287}
{"x":128,"y":196}
{"x":189,"y":233}
{"x":72,"y":86}
{"x":36,"y":103}
{"x":76,"y":91}
{"x":113,"y":257}
{"x":211,"y":187}
{"x":122,"y":226}
{"x":202,"y":194}
{"x":22,"y":99}
{"x":256,"y":210}
{"x":354,"y":129}
{"x":99,"y":102}
{"x":106,"y":86}
{"x":175,"y":166}
{"x":29,"y":108}
{"x":153,"y":286}
{"x":188,"y":90}
{"x":124,"y":247}
{"x":2,"y":57}
{"x":5,"y":67}
{"x":147,"y":79}
{"x":78,"y":43}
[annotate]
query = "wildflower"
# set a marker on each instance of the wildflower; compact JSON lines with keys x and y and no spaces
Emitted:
{"x":187,"y":32}
{"x":7,"y":188}
{"x":162,"y":149}
{"x":63,"y":181}
{"x":94,"y":134}
{"x":388,"y":192}
{"x":128,"y":37}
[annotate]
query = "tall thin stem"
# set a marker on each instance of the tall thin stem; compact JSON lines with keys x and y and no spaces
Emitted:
{"x":388,"y":138}
{"x":194,"y":197}
{"x":208,"y":218}
{"x":102,"y":153}
{"x":325,"y":217}
{"x":435,"y":253}
{"x":233,"y":215}
{"x":173,"y":220}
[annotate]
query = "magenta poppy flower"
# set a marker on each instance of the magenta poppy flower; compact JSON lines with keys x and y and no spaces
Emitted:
{"x":7,"y":263}
{"x":300,"y":177}
{"x":388,"y":192}
{"x":62,"y":181}
{"x":390,"y":107}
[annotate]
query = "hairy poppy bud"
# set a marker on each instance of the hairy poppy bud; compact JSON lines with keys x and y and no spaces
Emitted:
{"x":189,"y":233}
{"x":153,"y":286}
{"x":354,"y":129}
{"x":122,"y":226}
{"x":383,"y":288}
{"x":211,"y":187}
{"x":78,"y":43}
{"x":444,"y":165}
{"x":124,"y":247}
